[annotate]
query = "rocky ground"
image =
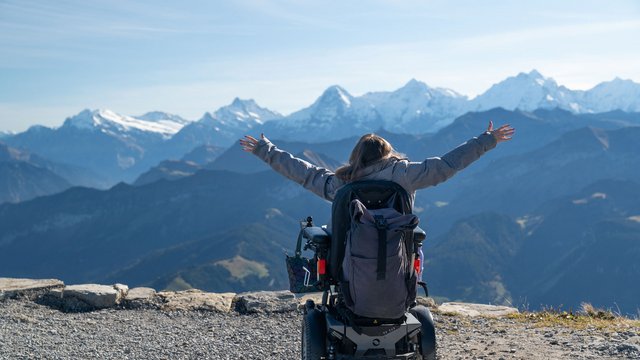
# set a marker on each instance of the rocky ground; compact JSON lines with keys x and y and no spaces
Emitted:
{"x":29,"y":331}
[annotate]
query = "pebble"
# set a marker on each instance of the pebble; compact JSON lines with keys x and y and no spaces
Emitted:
{"x":30,"y":331}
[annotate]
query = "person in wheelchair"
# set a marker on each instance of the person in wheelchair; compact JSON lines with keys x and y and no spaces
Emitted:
{"x":368,"y":308}
{"x":373,"y":158}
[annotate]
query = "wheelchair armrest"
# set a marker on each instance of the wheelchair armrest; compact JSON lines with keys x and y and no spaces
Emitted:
{"x":317,"y":235}
{"x":418,"y":234}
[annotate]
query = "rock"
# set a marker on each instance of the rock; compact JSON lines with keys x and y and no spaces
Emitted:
{"x":427,"y":301}
{"x":473,"y":310}
{"x":634,"y":339}
{"x":141,"y":297}
{"x":628,"y":349}
{"x":87,"y":297}
{"x":266,"y":302}
{"x":28,"y":288}
{"x":196,"y":300}
{"x":123,"y":289}
{"x":140,"y":293}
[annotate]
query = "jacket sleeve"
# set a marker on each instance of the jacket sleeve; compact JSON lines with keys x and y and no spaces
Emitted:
{"x":320,"y":181}
{"x":433,"y":171}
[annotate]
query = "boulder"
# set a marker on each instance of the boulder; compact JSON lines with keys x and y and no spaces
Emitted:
{"x":141,"y":297}
{"x":193,"y":299}
{"x":87,"y":297}
{"x":473,"y":310}
{"x":123,"y":289}
{"x":27,"y":288}
{"x":426,"y":301}
{"x":265,"y":302}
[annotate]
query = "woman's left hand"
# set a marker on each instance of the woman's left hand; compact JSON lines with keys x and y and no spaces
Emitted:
{"x":249,"y":143}
{"x":503,"y":133}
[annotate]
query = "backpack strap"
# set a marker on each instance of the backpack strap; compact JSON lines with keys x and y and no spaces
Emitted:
{"x":381,"y":225}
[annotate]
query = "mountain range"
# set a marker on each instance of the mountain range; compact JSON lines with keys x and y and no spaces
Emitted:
{"x":120,"y":148}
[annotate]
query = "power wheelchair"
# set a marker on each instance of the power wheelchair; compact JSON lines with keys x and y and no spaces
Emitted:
{"x":329,"y":329}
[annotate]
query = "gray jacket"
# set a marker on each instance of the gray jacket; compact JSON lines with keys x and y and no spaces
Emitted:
{"x":410,"y":175}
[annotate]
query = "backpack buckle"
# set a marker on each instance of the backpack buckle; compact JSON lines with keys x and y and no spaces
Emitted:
{"x":380,"y":221}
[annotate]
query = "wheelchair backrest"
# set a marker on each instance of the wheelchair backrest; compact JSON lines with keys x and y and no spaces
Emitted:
{"x":374,"y":194}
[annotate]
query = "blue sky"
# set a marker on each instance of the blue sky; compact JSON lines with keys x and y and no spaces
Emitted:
{"x":189,"y":57}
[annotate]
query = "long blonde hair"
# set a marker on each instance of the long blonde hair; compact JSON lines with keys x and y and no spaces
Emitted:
{"x":370,"y":149}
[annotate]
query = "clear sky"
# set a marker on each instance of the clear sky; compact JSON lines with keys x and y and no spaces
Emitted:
{"x":188,"y":57}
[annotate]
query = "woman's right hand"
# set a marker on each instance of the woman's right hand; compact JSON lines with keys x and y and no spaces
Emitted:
{"x":249,"y":143}
{"x":503,"y":133}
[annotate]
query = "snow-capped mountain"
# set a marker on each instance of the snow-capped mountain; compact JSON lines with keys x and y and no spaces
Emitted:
{"x":243,"y":114}
{"x":416,"y":107}
{"x":160,"y":116}
{"x":109,"y":122}
{"x":531,"y":91}
{"x":528,"y":92}
{"x":335,"y":114}
{"x":113,"y":146}
{"x":617,"y":94}
{"x":4,"y":134}
{"x":336,"y":103}
{"x":224,"y":126}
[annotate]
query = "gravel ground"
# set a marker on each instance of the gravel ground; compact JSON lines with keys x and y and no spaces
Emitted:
{"x":32,"y":331}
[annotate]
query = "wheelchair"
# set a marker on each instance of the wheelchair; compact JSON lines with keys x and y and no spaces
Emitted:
{"x":329,"y":329}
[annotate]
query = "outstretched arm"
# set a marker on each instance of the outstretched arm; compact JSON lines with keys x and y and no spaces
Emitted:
{"x":318,"y":180}
{"x":433,"y":171}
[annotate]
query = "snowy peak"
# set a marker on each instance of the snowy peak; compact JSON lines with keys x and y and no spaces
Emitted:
{"x":226,"y":124}
{"x":159,"y":116}
{"x":534,"y":78}
{"x":415,"y":88}
{"x":416,"y":107}
{"x":112,"y":123}
{"x":617,"y":94}
{"x":84,"y":120}
{"x":526,"y":91}
{"x":334,"y":112}
{"x":414,"y":84}
{"x":330,"y":109}
{"x":245,"y":111}
{"x":334,"y":96}
{"x":531,"y":91}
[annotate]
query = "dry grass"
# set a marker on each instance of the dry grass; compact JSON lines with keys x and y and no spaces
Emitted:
{"x":240,"y":267}
{"x":587,"y":317}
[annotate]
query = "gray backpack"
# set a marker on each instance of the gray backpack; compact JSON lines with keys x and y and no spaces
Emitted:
{"x":379,"y":280}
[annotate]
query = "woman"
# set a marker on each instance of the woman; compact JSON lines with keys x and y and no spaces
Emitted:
{"x":373,"y":158}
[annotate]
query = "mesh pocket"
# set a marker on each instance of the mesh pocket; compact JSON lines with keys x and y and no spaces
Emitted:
{"x":302,"y":274}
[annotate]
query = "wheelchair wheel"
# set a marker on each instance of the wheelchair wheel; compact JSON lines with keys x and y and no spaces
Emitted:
{"x":313,"y":334}
{"x":427,"y":336}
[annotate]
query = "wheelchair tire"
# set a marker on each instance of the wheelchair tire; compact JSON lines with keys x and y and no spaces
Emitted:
{"x":427,"y":336}
{"x":313,"y":335}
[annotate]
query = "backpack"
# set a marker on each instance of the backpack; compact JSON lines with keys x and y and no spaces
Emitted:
{"x":378,"y":276}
